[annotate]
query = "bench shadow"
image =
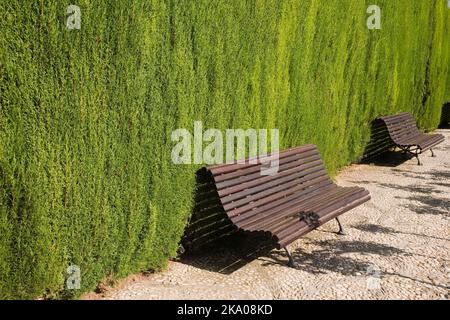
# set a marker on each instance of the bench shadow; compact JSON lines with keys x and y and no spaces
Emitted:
{"x":331,"y":257}
{"x":236,"y":251}
{"x":230,"y":253}
{"x":388,"y":159}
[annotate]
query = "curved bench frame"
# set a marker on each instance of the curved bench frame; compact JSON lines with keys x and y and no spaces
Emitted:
{"x":403,"y":131}
{"x":287,"y":205}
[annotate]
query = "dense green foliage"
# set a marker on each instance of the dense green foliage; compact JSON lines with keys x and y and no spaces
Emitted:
{"x":86,"y":115}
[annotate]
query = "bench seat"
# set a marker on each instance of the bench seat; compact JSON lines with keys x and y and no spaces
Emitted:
{"x":423,"y":141}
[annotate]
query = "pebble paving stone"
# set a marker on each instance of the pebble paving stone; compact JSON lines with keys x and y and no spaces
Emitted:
{"x":397,"y":247}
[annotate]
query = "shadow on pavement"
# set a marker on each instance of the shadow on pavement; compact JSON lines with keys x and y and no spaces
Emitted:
{"x":374,"y":228}
{"x":422,"y":199}
{"x":388,"y":159}
{"x":229,"y":254}
{"x":331,"y":256}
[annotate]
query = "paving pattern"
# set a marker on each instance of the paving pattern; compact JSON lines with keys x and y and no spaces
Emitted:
{"x":397,"y":247}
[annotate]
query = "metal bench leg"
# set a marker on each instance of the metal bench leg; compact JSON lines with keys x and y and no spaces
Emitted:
{"x":291,"y":263}
{"x":341,"y":229}
{"x":418,"y":160}
{"x":432,"y":153}
{"x":416,"y":155}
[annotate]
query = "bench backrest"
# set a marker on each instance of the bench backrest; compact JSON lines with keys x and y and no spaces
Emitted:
{"x":380,"y":140}
{"x":401,"y":126}
{"x":244,"y":192}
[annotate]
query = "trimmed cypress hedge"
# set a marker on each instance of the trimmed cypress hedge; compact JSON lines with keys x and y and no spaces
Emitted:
{"x":86,"y":115}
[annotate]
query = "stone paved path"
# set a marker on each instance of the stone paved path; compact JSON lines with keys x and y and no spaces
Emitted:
{"x":397,"y":247}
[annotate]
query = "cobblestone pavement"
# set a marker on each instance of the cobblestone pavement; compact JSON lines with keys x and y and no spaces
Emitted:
{"x":397,"y":247}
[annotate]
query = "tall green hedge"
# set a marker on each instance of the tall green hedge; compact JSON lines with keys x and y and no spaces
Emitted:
{"x":86,"y":115}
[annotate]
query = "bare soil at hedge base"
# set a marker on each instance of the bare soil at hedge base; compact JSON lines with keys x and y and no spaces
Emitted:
{"x":403,"y":232}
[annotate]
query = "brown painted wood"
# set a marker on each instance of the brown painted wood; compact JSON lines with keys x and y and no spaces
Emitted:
{"x":276,"y":204}
{"x":403,"y":131}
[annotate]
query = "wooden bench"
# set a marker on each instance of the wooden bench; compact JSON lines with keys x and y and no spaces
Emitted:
{"x":287,"y":205}
{"x":404,"y":134}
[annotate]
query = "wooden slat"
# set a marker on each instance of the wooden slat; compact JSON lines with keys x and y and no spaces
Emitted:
{"x":264,"y":179}
{"x":338,"y":193}
{"x":281,"y":179}
{"x":221,"y":169}
{"x":282,"y":168}
{"x":279,"y":195}
{"x":276,"y":186}
{"x":309,"y":154}
{"x":303,"y":228}
{"x":282,"y":204}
